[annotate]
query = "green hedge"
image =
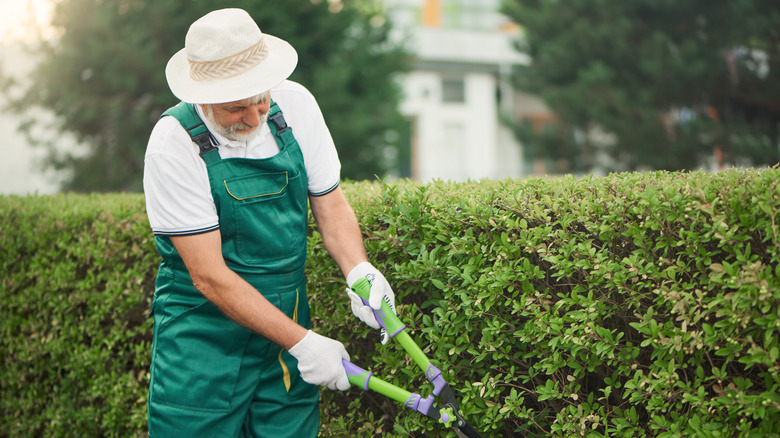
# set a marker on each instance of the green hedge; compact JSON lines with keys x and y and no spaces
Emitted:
{"x":642,"y":304}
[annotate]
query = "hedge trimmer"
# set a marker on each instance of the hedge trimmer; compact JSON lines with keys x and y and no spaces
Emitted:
{"x":446,"y":410}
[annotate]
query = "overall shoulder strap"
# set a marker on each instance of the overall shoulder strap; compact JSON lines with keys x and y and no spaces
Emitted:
{"x":188,"y":118}
{"x":279,"y":127}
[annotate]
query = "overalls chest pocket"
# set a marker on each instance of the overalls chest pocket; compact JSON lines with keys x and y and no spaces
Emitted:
{"x":269,"y":225}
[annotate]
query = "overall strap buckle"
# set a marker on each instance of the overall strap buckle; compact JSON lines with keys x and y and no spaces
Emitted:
{"x":188,"y":117}
{"x":203,"y":140}
{"x":279,"y":127}
{"x":279,"y":122}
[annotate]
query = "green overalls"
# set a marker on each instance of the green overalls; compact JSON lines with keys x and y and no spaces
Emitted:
{"x":210,"y":377}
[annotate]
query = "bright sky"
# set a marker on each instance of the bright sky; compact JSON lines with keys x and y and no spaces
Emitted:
{"x":25,"y":19}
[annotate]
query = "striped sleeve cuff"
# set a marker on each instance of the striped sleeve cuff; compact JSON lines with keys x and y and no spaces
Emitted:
{"x":185,"y":232}
{"x":325,"y":192}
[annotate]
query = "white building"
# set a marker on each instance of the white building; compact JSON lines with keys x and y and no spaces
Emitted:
{"x":458,"y":88}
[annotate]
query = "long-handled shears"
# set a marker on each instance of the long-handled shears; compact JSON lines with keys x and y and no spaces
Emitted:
{"x":446,"y":411}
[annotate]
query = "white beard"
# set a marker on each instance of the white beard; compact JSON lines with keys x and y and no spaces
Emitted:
{"x":231,"y":132}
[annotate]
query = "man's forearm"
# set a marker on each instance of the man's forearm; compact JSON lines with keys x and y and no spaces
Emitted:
{"x":345,"y":244}
{"x":236,"y":298}
{"x":242,"y":303}
{"x":340,"y":230}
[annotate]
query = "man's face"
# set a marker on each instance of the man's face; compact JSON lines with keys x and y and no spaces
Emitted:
{"x":240,"y":120}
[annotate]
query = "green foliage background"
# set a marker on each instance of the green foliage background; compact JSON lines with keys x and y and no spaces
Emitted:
{"x":627,"y":67}
{"x":630,"y":305}
{"x":104,"y":80}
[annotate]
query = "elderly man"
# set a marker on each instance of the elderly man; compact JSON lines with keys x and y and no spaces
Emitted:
{"x":228,"y":177}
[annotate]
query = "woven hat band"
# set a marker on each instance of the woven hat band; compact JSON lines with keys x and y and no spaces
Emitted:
{"x":229,"y":67}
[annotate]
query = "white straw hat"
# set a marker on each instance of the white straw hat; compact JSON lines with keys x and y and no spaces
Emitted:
{"x":226,"y":58}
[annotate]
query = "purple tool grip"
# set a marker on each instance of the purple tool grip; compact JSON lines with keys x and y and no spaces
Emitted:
{"x":392,"y":335}
{"x":419,"y":404}
{"x":378,"y":314}
{"x":380,"y":318}
{"x":354,"y":370}
{"x":434,"y":375}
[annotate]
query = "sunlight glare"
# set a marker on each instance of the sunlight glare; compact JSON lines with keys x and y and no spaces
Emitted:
{"x":25,"y":20}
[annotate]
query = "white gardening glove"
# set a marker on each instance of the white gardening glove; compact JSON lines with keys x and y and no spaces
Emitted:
{"x":380,"y":291}
{"x":363,"y":312}
{"x":319,"y":361}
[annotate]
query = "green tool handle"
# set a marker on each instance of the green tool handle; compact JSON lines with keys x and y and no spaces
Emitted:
{"x":388,"y":319}
{"x":365,"y":379}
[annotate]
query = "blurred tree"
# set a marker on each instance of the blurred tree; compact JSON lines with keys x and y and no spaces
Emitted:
{"x":104,"y":79}
{"x":672,"y":81}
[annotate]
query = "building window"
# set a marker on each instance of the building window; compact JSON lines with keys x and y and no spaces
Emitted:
{"x":453,"y":90}
{"x":471,"y":14}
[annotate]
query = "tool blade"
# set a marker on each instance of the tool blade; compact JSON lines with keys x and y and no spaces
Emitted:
{"x":465,"y":430}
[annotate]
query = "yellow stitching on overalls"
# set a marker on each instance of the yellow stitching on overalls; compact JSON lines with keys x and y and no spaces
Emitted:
{"x":286,"y":182}
{"x":295,"y":312}
{"x":285,"y":370}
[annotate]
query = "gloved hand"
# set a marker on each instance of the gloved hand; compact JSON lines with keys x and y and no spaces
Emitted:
{"x":319,"y":361}
{"x":380,"y":291}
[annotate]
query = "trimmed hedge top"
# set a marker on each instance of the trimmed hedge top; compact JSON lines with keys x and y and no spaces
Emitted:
{"x":641,"y":304}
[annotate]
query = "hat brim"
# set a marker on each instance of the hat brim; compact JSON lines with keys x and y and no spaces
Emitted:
{"x":273,"y":70}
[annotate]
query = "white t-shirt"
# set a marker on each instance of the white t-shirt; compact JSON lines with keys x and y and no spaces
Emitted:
{"x":176,"y":184}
